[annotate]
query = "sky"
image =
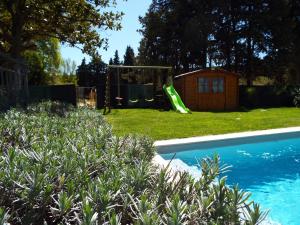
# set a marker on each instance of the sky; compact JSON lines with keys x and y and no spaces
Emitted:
{"x":117,"y":40}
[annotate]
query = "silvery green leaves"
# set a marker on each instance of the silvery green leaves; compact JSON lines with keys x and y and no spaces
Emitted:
{"x":296,"y":95}
{"x":4,"y":216}
{"x":68,"y":168}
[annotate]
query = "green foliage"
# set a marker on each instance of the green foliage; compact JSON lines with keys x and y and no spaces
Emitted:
{"x":129,"y":58}
{"x":36,"y":67}
{"x":116,"y":59}
{"x":23,"y":23}
{"x":90,"y":74}
{"x":68,"y":67}
{"x":266,"y":96}
{"x":61,"y":165}
{"x":49,"y":50}
{"x":296,"y":94}
{"x":61,"y":79}
{"x":242,"y":36}
{"x":3,"y":217}
{"x":43,"y":62}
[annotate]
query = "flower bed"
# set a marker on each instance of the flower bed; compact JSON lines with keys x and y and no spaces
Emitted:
{"x":61,"y":165}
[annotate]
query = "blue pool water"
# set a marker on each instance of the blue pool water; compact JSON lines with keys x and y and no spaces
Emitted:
{"x":269,"y":170}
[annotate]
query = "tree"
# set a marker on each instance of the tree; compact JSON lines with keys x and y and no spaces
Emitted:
{"x":111,"y":62}
{"x":50,"y":50}
{"x":250,"y":37}
{"x":129,"y":58}
{"x":90,"y":74}
{"x":69,"y":67}
{"x":23,"y":23}
{"x":43,"y":62}
{"x":36,"y":68}
{"x":282,"y":61}
{"x":82,"y":73}
{"x":116,"y":59}
{"x":176,"y":33}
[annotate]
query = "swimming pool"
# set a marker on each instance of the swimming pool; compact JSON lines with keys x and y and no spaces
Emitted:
{"x":268,"y":167}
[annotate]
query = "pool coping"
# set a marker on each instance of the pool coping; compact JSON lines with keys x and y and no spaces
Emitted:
{"x":165,"y":146}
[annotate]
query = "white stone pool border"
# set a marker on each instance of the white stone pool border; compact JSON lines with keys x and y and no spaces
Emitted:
{"x":164,"y":146}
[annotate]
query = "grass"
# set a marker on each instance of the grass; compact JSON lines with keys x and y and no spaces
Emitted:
{"x":161,"y":125}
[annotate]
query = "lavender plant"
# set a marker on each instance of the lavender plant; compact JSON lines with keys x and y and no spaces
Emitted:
{"x":60,"y":165}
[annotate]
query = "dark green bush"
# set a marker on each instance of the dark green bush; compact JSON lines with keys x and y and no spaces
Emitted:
{"x":296,"y":95}
{"x":265,"y":96}
{"x":70,"y":169}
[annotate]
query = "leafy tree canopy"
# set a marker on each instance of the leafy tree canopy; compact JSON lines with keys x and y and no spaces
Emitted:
{"x":44,"y":61}
{"x":249,"y":37}
{"x":24,"y":22}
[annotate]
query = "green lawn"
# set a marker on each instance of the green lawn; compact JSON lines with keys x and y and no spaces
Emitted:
{"x":167,"y":125}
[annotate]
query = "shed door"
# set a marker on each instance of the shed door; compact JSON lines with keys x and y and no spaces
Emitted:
{"x":211,"y":93}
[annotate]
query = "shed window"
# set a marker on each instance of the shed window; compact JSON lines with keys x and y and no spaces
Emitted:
{"x":203,"y":85}
{"x":218,"y":85}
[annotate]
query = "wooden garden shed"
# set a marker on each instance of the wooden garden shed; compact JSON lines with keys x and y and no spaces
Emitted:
{"x":208,"y":89}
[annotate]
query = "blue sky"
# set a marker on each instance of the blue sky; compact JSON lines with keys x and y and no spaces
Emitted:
{"x":118,"y":40}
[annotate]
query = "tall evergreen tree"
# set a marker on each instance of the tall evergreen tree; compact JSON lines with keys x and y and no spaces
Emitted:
{"x":82,"y":73}
{"x":90,"y":74}
{"x":250,"y":37}
{"x":116,"y":59}
{"x":283,"y":56}
{"x":176,"y":33}
{"x":129,"y":58}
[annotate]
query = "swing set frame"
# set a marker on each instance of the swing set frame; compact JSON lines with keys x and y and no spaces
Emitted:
{"x":118,"y":69}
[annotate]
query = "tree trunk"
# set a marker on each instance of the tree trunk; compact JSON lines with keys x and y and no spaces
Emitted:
{"x":15,"y":52}
{"x":205,"y":52}
{"x":249,"y":62}
{"x":228,"y":56}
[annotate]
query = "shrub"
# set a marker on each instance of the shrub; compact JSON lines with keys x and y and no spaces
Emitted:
{"x":70,"y":169}
{"x":296,"y":95}
{"x":265,"y":96}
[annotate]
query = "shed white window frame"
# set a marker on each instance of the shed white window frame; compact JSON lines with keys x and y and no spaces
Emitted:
{"x":203,"y":85}
{"x":218,"y":85}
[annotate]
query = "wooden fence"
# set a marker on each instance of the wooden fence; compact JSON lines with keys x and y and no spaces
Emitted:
{"x":13,"y":82}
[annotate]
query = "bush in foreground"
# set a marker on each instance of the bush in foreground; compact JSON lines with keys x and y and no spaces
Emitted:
{"x":60,"y":165}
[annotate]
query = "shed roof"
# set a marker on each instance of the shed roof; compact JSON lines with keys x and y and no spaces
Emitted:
{"x":207,"y":70}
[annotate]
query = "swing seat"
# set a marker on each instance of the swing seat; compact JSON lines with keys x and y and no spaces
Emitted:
{"x":133,"y":100}
{"x":149,"y":100}
{"x":119,"y":99}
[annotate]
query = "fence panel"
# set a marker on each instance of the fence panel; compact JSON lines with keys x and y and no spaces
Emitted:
{"x":63,"y":93}
{"x":265,"y":96}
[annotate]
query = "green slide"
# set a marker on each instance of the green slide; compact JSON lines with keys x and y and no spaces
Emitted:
{"x":175,"y":99}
